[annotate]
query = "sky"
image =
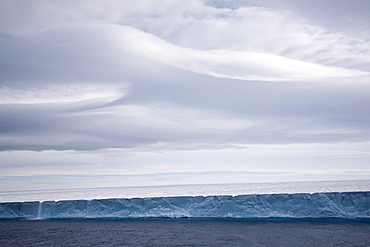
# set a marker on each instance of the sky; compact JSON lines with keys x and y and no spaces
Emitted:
{"x":167,"y":92}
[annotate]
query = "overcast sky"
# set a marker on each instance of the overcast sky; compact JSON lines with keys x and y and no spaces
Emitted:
{"x":146,"y":92}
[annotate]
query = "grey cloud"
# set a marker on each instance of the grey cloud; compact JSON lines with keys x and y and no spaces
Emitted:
{"x":283,"y":114}
{"x":73,"y":81}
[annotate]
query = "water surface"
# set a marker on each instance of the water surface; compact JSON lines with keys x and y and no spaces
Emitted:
{"x":184,"y":232}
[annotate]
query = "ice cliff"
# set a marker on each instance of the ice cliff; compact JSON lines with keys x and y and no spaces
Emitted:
{"x":303,"y":205}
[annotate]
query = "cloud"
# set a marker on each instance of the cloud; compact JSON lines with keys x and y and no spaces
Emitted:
{"x":241,"y":65}
{"x":266,"y":162}
{"x":59,"y":94}
{"x":260,"y":26}
{"x":262,"y":29}
{"x":234,"y":64}
{"x":162,"y":86}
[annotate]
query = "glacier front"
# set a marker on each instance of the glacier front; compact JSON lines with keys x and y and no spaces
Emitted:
{"x":301,"y":205}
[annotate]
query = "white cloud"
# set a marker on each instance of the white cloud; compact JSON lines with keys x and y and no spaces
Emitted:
{"x":60,"y":94}
{"x":203,"y":27}
{"x":258,"y":29}
{"x":170,"y":118}
{"x":219,"y":63}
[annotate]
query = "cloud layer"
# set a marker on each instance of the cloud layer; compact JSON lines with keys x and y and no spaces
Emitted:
{"x":163,"y":87}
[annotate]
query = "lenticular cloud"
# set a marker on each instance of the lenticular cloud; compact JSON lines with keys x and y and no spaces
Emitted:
{"x":241,"y":65}
{"x":60,"y":94}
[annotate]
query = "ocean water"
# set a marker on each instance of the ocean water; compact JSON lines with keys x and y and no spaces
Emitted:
{"x":184,"y":232}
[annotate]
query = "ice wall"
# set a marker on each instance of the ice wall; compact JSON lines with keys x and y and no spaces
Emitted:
{"x":318,"y":205}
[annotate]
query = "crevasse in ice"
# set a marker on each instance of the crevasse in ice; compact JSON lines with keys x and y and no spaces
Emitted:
{"x":303,"y":205}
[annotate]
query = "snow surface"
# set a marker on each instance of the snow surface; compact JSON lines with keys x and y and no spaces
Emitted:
{"x":187,"y":190}
{"x":302,"y":205}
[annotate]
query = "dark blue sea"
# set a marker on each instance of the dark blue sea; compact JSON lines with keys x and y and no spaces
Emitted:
{"x":184,"y":232}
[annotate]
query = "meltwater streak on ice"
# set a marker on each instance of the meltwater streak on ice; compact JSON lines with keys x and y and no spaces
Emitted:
{"x":352,"y":205}
{"x":39,"y":211}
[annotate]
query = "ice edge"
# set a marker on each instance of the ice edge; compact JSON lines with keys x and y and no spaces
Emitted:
{"x":348,"y":205}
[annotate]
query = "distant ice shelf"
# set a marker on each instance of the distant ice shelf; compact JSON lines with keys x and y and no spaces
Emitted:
{"x":301,"y":205}
{"x":186,"y":190}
